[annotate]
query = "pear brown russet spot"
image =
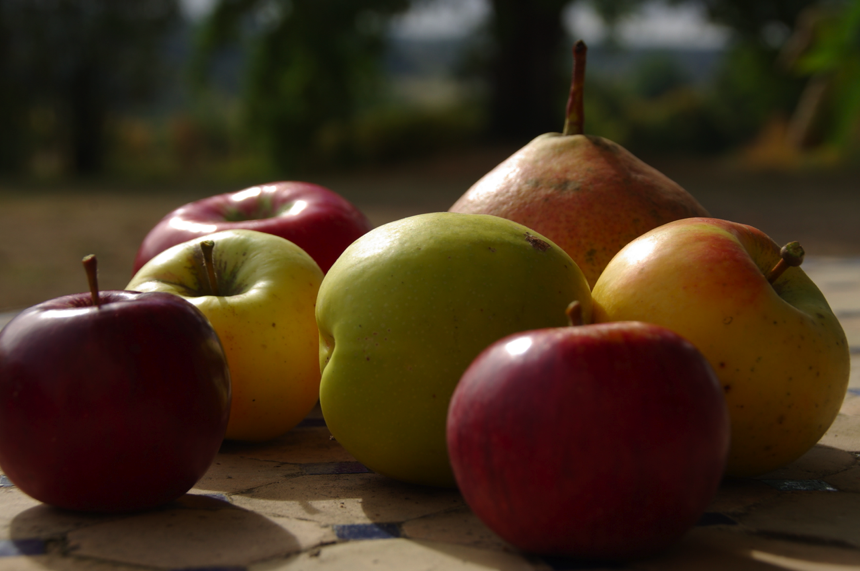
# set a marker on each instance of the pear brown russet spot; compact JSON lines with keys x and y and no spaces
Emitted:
{"x":588,"y":195}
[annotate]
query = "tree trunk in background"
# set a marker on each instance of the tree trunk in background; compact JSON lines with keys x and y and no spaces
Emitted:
{"x":525,"y":69}
{"x":86,"y":116}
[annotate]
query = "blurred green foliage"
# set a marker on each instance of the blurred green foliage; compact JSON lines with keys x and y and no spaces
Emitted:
{"x":656,"y":109}
{"x":84,"y":88}
{"x":312,"y":67}
{"x":833,"y":56}
{"x":67,"y":66}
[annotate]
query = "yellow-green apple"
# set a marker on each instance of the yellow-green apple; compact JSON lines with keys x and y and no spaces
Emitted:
{"x":259,"y":297}
{"x":404,"y":311}
{"x":585,"y":193}
{"x":319,"y":221}
{"x":778,"y":349}
{"x":604,"y":441}
{"x":110,"y":401}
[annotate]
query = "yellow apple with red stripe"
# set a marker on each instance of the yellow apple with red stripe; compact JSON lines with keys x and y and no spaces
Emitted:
{"x":260,"y":298}
{"x":766,"y":329}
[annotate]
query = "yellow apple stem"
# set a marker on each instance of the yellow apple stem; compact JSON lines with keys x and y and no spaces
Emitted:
{"x":574,"y":123}
{"x":791,"y":255}
{"x":574,"y":313}
{"x":91,"y":268}
{"x":207,"y":246}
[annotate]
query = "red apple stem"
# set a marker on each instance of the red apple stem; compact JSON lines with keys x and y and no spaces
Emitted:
{"x":574,"y":313}
{"x":207,"y":247}
{"x":791,"y":256}
{"x":91,"y":267}
{"x":574,"y":123}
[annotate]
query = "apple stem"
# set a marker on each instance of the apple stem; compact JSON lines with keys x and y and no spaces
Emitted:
{"x":574,"y":123}
{"x":791,"y":256}
{"x":92,"y":270}
{"x":207,"y":246}
{"x":574,"y":313}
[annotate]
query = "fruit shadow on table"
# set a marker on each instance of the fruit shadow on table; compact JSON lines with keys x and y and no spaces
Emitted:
{"x":221,"y":531}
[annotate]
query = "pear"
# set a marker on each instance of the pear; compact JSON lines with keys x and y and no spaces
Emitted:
{"x":590,"y":196}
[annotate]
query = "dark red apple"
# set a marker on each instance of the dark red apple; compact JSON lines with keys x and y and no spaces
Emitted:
{"x":318,"y":220}
{"x":111,"y":408}
{"x":596,"y":442}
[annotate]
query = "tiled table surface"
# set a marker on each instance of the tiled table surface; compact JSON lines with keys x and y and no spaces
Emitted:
{"x":302,"y":502}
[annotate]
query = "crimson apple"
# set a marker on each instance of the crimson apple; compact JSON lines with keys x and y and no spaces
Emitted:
{"x":318,"y":220}
{"x":597,"y":442}
{"x":114,"y":406}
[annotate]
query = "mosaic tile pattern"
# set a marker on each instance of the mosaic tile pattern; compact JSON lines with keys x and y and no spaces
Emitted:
{"x":301,"y":502}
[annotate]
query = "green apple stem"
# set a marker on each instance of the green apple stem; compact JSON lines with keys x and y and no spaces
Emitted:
{"x":207,"y":246}
{"x":574,"y":313}
{"x":574,"y":123}
{"x":791,"y":255}
{"x":92,"y":270}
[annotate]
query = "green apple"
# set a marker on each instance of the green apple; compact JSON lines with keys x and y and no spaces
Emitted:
{"x":404,"y":311}
{"x":259,"y":298}
{"x":768,"y":332}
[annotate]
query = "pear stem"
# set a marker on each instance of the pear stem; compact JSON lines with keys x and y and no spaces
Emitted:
{"x":791,"y":256}
{"x":207,"y":246}
{"x":574,"y":313}
{"x":91,"y":268}
{"x":574,"y":123}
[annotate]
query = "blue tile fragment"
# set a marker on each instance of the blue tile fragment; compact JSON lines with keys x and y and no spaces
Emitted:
{"x":217,"y":496}
{"x":714,"y":518}
{"x":335,"y":468}
{"x":5,"y":482}
{"x":16,"y":547}
{"x":359,"y":531}
{"x":800,"y":485}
